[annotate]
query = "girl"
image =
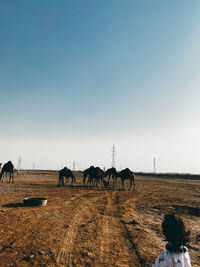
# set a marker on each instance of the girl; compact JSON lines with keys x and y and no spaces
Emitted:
{"x":177,"y":235}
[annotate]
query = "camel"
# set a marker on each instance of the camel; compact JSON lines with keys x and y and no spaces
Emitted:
{"x":67,"y":173}
{"x":96,"y":175}
{"x":112,"y":173}
{"x":127,"y":174}
{"x":87,"y":173}
{"x":7,"y":168}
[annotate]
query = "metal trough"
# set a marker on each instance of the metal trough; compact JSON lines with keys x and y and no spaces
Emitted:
{"x":31,"y":202}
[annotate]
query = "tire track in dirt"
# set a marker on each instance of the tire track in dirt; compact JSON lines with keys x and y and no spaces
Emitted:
{"x":56,"y":213}
{"x":65,"y":257}
{"x":114,"y":249}
{"x":105,"y":235}
{"x":132,"y":234}
{"x":32,"y":226}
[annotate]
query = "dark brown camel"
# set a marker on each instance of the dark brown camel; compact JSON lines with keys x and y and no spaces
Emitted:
{"x":96,"y":175}
{"x":112,"y":173}
{"x":7,"y":168}
{"x":127,"y":174}
{"x":67,"y":173}
{"x":87,"y":173}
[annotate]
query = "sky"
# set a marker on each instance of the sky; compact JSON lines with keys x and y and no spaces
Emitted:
{"x":78,"y":76}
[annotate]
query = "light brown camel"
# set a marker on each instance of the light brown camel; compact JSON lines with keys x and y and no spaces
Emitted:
{"x":65,"y":172}
{"x":7,"y":168}
{"x":127,"y":174}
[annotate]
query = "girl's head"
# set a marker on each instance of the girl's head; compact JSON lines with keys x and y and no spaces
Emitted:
{"x":175,"y":231}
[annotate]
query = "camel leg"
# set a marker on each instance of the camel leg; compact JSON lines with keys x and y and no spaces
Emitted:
{"x":114,"y":185}
{"x":109,"y":178}
{"x":6,"y":181}
{"x":97,"y":183}
{"x":131,"y":182}
{"x":60,"y":180}
{"x":115,"y":182}
{"x":94,"y":183}
{"x":89,"y":184}
{"x":85,"y":182}
{"x":112,"y":182}
{"x":84,"y":178}
{"x":2,"y":177}
{"x":9,"y":179}
{"x":101,"y":182}
{"x":73,"y":180}
{"x":122,"y":184}
{"x":133,"y":185}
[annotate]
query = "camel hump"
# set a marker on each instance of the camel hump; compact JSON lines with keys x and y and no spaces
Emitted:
{"x":91,"y":167}
{"x":64,"y":169}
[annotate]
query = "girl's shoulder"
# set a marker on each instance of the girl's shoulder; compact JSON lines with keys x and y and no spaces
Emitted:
{"x":168,"y":258}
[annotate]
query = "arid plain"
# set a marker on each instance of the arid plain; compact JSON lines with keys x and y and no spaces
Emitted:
{"x":92,"y":227}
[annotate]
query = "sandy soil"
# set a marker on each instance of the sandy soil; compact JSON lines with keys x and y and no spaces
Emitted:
{"x":92,"y":227}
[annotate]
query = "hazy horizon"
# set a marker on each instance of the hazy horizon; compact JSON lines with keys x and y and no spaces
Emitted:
{"x":77,"y":77}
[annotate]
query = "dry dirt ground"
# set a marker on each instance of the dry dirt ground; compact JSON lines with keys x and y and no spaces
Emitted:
{"x":92,"y":227}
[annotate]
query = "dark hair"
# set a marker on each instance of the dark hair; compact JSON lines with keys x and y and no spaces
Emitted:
{"x":175,"y":232}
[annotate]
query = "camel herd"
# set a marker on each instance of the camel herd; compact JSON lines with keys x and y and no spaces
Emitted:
{"x":95,"y":176}
{"x":92,"y":177}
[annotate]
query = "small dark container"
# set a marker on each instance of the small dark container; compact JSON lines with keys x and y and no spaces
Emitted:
{"x":31,"y":202}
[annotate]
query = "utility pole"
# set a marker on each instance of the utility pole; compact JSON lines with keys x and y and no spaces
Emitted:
{"x":33,"y":165}
{"x":154,"y":165}
{"x":19,"y":166}
{"x":113,"y":156}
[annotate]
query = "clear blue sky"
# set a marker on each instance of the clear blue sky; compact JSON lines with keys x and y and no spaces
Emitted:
{"x":77,"y":77}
